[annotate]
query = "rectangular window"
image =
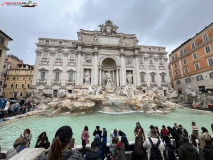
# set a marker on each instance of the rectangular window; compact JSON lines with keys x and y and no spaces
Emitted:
{"x":42,"y":76}
{"x":8,"y":78}
{"x":183,"y":52}
{"x":186,"y":70}
{"x":58,"y":56}
{"x":210,"y":61}
{"x":1,"y":82}
{"x":11,"y":85}
{"x":14,"y":78}
{"x":194,"y":55}
{"x":184,"y":61}
{"x":45,"y":54}
{"x":205,"y":37}
{"x":70,"y":77}
{"x":8,"y":72}
{"x":178,"y":82}
{"x":22,"y":86}
{"x":153,"y":78}
{"x":72,"y":57}
{"x":21,"y":94}
{"x":175,"y":65}
{"x":60,"y":42}
{"x":207,"y":49}
{"x":16,"y":85}
{"x":142,"y":78}
{"x":17,"y":78}
{"x":28,"y":86}
{"x":211,"y":75}
{"x":199,"y":77}
{"x":141,"y":60}
{"x":193,"y":45}
{"x":57,"y":76}
{"x":23,"y":78}
{"x":174,"y":57}
{"x":197,"y":66}
{"x":47,"y":41}
{"x":188,"y":80}
{"x":150,"y":61}
{"x":177,"y":74}
{"x":0,"y":52}
{"x":163,"y":78}
{"x":1,"y":40}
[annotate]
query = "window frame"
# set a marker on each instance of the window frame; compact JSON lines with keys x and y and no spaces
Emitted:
{"x":197,"y":64}
{"x":194,"y":56}
{"x":208,"y":46}
{"x":184,"y":61}
{"x":205,"y":37}
{"x":193,"y":45}
{"x":186,"y":69}
{"x":209,"y":62}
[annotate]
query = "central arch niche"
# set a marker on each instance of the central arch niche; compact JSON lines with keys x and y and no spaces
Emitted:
{"x":109,"y":63}
{"x":109,"y":66}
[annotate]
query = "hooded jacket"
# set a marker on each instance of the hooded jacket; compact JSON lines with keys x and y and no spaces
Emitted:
{"x":92,"y":155}
{"x":120,"y":151}
{"x":187,"y":151}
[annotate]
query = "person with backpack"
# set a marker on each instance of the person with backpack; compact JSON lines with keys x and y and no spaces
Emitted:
{"x":154,"y":147}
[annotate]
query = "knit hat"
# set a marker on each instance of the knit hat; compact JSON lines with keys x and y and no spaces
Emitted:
{"x":64,"y":133}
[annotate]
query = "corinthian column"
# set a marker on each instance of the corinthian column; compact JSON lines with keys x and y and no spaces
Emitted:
{"x":123,"y":69}
{"x":95,"y":67}
{"x":78,"y":71}
{"x":137,"y":76}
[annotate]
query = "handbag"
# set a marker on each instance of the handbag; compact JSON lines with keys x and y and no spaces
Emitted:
{"x":87,"y":141}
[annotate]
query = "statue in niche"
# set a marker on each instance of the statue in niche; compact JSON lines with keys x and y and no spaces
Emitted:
{"x":87,"y":58}
{"x":79,"y":36}
{"x":136,"y":41}
{"x":122,"y":39}
{"x":95,"y":38}
{"x":108,"y":80}
{"x":87,"y":78}
{"x":129,"y":78}
{"x":128,"y":61}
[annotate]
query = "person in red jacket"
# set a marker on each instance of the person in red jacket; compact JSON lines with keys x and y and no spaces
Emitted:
{"x":164,"y":132}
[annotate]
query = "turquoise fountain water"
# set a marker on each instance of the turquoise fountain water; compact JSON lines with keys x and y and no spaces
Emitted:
{"x":124,"y":122}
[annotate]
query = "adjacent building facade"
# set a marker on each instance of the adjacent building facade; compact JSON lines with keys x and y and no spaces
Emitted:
{"x":18,"y":81}
{"x":4,"y":39}
{"x":99,"y":58}
{"x":191,"y":64}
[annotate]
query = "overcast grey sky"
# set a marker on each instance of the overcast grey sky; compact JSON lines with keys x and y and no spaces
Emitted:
{"x":155,"y":22}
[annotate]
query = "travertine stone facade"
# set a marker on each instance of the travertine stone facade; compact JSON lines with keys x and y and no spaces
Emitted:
{"x":99,"y":58}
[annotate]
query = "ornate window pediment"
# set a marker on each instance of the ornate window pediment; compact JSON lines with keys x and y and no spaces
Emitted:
{"x":163,"y":73}
{"x":152,"y":73}
{"x":43,"y":69}
{"x":142,"y":72}
{"x":57,"y":70}
{"x":70,"y":70}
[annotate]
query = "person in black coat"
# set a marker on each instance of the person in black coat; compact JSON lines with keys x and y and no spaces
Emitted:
{"x":42,"y":141}
{"x":187,"y":151}
{"x":124,"y":139}
{"x":97,"y":131}
{"x":93,"y":153}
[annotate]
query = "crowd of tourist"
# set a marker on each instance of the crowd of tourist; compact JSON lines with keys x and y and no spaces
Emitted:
{"x":168,"y":143}
{"x":10,"y":108}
